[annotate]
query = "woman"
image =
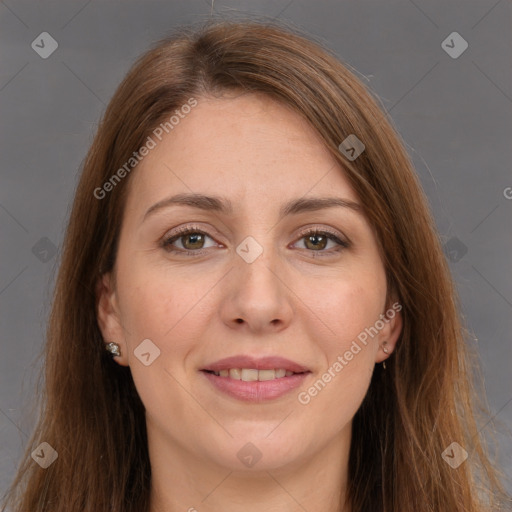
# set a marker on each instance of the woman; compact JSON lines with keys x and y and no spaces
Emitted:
{"x":253,"y":309}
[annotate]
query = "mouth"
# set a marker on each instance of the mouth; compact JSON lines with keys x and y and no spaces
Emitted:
{"x":255,"y":379}
{"x":253,"y":375}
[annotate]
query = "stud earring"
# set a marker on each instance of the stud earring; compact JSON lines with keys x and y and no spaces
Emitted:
{"x":113,"y":348}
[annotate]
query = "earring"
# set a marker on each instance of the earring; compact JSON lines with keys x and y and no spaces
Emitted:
{"x":386,"y":351}
{"x":113,"y":348}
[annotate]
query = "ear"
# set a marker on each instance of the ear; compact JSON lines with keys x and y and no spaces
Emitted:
{"x":109,"y":318}
{"x":389,"y":334}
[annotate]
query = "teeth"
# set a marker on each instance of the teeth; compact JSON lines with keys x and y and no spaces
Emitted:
{"x":265,"y":375}
{"x":252,"y":375}
{"x":235,"y":373}
{"x":249,"y":375}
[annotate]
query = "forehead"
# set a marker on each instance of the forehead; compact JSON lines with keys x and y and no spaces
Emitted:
{"x":245,"y":146}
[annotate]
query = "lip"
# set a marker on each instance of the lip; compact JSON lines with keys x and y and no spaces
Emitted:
{"x":256,"y":363}
{"x":256,"y":391}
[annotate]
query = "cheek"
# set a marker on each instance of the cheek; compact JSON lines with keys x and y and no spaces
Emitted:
{"x":344,"y":312}
{"x":346,"y":307}
{"x":155,"y":303}
{"x":165,"y":311}
{"x":350,"y":306}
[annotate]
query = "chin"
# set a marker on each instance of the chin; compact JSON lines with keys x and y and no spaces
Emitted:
{"x":250,"y":454}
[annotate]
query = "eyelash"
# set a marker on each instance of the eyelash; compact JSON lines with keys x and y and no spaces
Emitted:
{"x":187,"y":230}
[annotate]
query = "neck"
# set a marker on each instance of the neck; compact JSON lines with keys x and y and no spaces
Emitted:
{"x":183,"y":482}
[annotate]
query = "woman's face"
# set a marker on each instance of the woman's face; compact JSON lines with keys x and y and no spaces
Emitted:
{"x":249,"y":280}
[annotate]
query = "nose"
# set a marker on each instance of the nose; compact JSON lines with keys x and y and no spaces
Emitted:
{"x":257,"y":299}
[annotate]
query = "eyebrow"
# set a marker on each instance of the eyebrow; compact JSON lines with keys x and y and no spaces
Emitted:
{"x":224,"y":205}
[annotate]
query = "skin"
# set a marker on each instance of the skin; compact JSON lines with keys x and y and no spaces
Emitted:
{"x":198,"y":309}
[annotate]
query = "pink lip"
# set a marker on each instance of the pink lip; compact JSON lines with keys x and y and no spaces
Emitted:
{"x":261,"y":363}
{"x":256,"y":391}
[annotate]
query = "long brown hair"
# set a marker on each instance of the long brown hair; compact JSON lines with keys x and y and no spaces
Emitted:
{"x":91,"y":413}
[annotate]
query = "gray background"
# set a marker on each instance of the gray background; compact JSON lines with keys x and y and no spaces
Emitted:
{"x":455,"y":115}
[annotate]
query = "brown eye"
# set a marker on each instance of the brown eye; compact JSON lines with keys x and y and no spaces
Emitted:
{"x":193,"y":241}
{"x":316,"y":241}
{"x":187,"y":241}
